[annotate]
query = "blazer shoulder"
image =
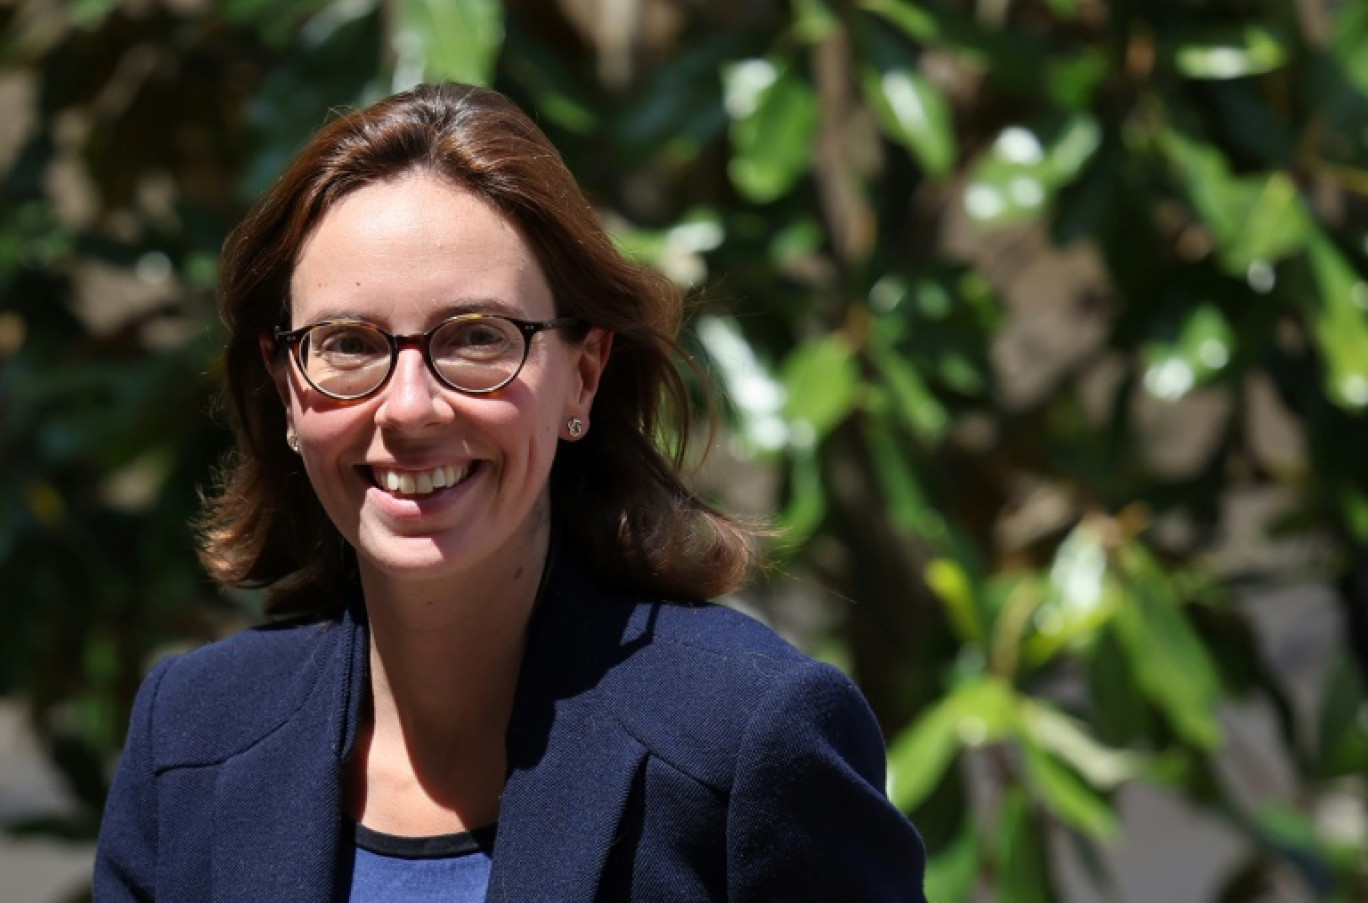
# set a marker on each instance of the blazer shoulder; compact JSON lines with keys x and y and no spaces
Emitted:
{"x":735,"y":647}
{"x":218,"y":700}
{"x":696,"y":677}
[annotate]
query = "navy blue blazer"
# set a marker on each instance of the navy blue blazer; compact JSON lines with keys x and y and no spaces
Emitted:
{"x":655,"y":752}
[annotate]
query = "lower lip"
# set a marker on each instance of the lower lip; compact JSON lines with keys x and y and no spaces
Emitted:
{"x":419,"y":505}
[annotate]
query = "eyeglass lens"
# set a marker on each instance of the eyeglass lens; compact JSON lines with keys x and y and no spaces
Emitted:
{"x":477,"y":354}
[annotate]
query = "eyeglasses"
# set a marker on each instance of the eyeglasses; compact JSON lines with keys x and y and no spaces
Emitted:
{"x":473,"y":353}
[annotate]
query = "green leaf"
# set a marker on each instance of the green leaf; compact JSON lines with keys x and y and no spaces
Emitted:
{"x":919,"y":757}
{"x":1349,"y":35}
{"x":910,"y":18}
{"x":953,"y":870}
{"x":806,"y":506}
{"x":914,"y":113}
{"x":435,"y":40}
{"x":677,"y":251}
{"x":1024,"y":873}
{"x":914,"y":403}
{"x":1351,"y":503}
{"x":295,"y":98}
{"x":1236,"y":52}
{"x":1068,"y":798}
{"x":911,"y":110}
{"x":773,"y":122}
{"x":981,"y":710}
{"x":1203,"y":348}
{"x":1286,"y":829}
{"x":1019,"y":61}
{"x":1073,"y":81}
{"x":1341,"y":329}
{"x":1167,"y":657}
{"x":680,"y":107}
{"x":1080,"y":595}
{"x":1079,"y":572}
{"x":1018,"y":177}
{"x":949,"y":581}
{"x":89,"y":14}
{"x":1068,"y":739}
{"x":813,"y":20}
{"x":1255,"y":220}
{"x":556,"y":94}
{"x":1273,"y":219}
{"x":1341,"y":740}
{"x":1119,"y":713}
{"x":900,"y":484}
{"x":755,"y":395}
{"x":795,"y":242}
{"x":821,"y":380}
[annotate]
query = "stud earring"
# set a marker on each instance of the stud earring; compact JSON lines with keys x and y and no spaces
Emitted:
{"x":575,"y":426}
{"x":293,"y":441}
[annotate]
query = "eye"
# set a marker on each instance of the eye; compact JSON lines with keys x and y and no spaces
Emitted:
{"x":345,"y":346}
{"x":481,"y":339}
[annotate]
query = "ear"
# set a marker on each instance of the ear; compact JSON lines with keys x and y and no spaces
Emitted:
{"x":277,"y":364}
{"x":590,"y":362}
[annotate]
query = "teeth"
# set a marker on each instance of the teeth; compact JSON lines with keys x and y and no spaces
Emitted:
{"x":419,"y":482}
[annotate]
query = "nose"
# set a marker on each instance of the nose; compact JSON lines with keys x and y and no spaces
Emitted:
{"x":413,"y":397}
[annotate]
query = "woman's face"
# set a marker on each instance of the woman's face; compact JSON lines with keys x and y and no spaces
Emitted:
{"x":405,"y":255}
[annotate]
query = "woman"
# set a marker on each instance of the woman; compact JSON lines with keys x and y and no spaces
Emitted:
{"x":497,"y":678}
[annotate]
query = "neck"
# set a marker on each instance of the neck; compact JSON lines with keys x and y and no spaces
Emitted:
{"x":444,"y":663}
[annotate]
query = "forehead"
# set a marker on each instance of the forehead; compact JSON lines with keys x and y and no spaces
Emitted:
{"x":405,"y":252}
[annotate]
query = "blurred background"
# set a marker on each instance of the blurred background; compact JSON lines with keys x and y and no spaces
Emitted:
{"x":1041,"y":328}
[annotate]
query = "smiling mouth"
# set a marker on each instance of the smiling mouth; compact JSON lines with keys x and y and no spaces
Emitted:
{"x":418,"y":483}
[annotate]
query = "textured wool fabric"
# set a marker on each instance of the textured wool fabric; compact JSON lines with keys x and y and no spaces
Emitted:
{"x":656,"y":752}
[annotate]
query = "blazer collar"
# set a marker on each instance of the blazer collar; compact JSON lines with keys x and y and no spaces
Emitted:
{"x":279,"y":810}
{"x":571,"y":764}
{"x":278,"y":807}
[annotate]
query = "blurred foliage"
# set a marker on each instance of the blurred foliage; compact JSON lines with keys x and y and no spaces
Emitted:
{"x":1013,"y":302}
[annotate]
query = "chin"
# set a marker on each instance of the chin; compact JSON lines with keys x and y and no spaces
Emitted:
{"x":417,"y":559}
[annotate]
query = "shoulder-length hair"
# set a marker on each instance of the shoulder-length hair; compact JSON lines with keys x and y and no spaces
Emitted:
{"x":618,"y":492}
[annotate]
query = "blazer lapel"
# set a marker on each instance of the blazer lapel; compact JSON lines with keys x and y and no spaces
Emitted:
{"x":560,"y":814}
{"x":571,"y":763}
{"x":278,"y":808}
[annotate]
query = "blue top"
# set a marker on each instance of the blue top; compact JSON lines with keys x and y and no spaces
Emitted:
{"x":452,"y":868}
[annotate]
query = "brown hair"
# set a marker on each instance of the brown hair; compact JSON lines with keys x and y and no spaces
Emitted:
{"x":618,"y":491}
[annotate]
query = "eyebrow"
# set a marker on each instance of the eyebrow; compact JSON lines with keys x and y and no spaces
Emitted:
{"x":482,"y":305}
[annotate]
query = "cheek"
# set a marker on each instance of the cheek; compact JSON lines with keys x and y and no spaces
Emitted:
{"x":536,"y":431}
{"x":320,"y":421}
{"x":325,"y":434}
{"x":530,"y":435}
